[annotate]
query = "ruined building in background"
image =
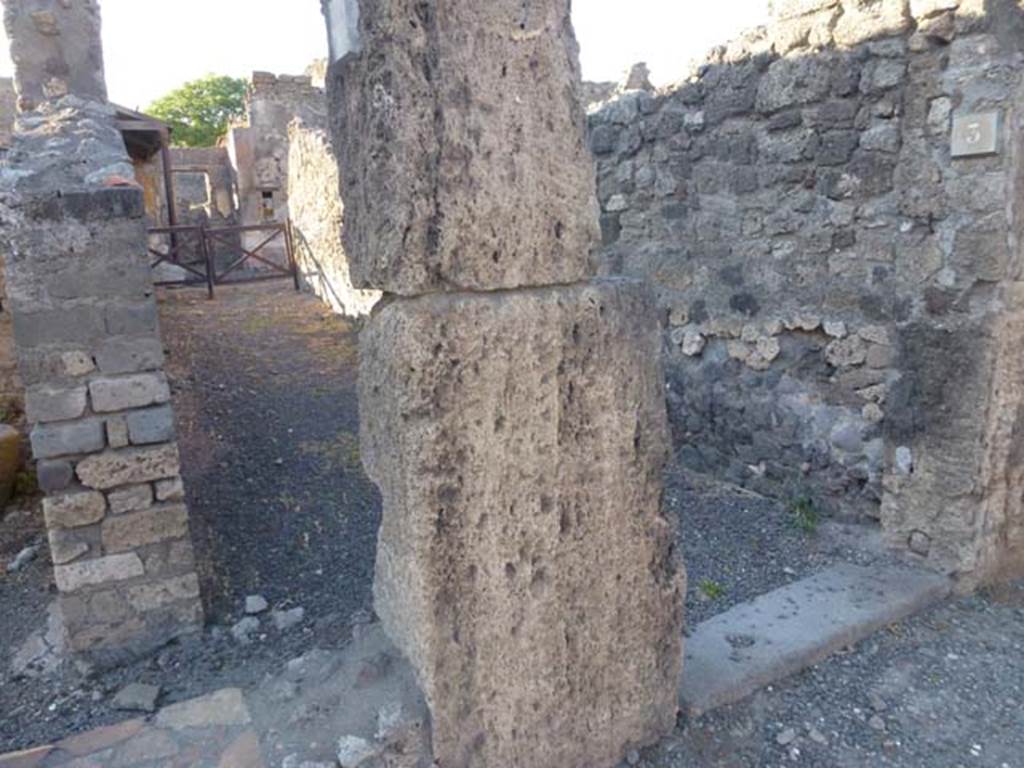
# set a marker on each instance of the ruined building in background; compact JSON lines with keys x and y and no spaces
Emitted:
{"x":79,"y":287}
{"x":830,"y":210}
{"x":512,"y":408}
{"x":248,"y":181}
{"x":259,"y":148}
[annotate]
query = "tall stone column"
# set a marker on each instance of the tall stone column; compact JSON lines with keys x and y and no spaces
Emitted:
{"x":513,"y":408}
{"x":56,"y":49}
{"x":80,"y":290}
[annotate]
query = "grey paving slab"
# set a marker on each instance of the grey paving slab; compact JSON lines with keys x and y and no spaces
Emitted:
{"x":782,"y":632}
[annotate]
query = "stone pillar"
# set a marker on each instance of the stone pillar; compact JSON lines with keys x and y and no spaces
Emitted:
{"x":85,"y":323}
{"x":513,"y":409}
{"x":56,"y":49}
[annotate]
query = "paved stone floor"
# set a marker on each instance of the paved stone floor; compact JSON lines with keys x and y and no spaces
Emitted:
{"x":212,"y":731}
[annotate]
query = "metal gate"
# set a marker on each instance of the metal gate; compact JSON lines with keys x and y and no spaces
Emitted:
{"x":195,"y":249}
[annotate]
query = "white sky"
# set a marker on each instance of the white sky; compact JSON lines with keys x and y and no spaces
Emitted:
{"x":152,"y":46}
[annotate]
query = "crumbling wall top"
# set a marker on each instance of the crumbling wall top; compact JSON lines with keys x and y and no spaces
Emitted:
{"x":57,"y":49}
{"x":66,"y":146}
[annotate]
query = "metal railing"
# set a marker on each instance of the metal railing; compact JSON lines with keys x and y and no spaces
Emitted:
{"x":195,"y":249}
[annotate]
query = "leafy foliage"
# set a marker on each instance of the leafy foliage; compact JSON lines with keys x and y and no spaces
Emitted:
{"x":712,"y":589}
{"x":804,"y":515}
{"x":200,"y":110}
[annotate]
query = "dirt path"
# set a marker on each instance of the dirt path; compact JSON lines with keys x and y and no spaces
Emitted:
{"x":264,"y":384}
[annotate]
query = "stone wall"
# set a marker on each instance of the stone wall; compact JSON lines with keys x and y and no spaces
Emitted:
{"x":315,"y":207}
{"x":8,"y":107}
{"x":12,"y":394}
{"x":89,"y":352}
{"x":511,"y":407}
{"x":838,"y":289}
{"x":57,"y":49}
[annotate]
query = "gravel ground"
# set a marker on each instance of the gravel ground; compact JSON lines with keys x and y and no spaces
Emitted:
{"x":263,"y":378}
{"x":738,"y":545}
{"x":942,"y":690}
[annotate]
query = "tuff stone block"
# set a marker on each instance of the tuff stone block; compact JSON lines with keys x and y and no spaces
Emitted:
{"x":131,"y":318}
{"x":117,"y":432}
{"x":44,"y":404}
{"x":53,"y":367}
{"x":66,"y":546}
{"x":67,"y":438}
{"x":99,"y":277}
{"x":130,"y":355}
{"x":81,"y":324}
{"x":153,"y":425}
{"x":169,"y":558}
{"x":170,"y":490}
{"x":100,"y":570}
{"x":138,"y":391}
{"x":461,"y":139}
{"x":139,"y":465}
{"x":130,"y":531}
{"x":150,"y":597}
{"x":54,"y":475}
{"x":130,"y":499}
{"x":73,"y":510}
{"x":524,"y":563}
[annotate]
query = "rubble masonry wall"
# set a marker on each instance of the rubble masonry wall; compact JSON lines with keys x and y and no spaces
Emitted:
{"x":85,"y":325}
{"x":838,"y":289}
{"x":316,"y":211}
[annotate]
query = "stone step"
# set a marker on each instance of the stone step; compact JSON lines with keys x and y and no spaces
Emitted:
{"x":785,"y":631}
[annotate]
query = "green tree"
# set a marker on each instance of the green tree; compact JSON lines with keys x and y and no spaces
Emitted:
{"x":200,"y":111}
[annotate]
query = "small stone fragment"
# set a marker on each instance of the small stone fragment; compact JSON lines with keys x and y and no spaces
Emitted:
{"x":836,"y":329}
{"x":244,"y":629}
{"x":23,"y":558}
{"x":786,"y":737}
{"x":872,"y":413}
{"x":285,"y":620}
{"x":137,"y":697}
{"x":877,"y":723}
{"x":877,"y":702}
{"x":130,"y":498}
{"x":255,"y":604}
{"x":170,"y":490}
{"x":920,"y":543}
{"x":74,"y":510}
{"x":389,"y":719}
{"x":354,"y":751}
{"x":843,"y":353}
{"x":617,"y":204}
{"x":904,"y":461}
{"x":693,"y":343}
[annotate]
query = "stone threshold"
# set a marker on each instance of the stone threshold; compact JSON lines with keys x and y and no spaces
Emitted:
{"x":772,"y":637}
